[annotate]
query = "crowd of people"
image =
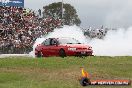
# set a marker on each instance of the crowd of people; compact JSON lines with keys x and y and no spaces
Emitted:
{"x":96,"y":33}
{"x":19,"y":28}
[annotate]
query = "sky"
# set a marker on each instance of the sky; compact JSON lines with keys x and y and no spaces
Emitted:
{"x":94,"y":13}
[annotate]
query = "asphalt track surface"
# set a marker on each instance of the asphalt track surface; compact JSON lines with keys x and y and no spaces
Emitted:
{"x":12,"y":55}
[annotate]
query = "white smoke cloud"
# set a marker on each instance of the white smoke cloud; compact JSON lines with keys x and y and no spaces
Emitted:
{"x":116,"y":43}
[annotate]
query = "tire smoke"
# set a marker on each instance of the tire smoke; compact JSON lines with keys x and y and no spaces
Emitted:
{"x":116,"y":42}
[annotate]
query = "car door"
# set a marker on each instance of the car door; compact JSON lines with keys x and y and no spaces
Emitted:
{"x":54,"y":48}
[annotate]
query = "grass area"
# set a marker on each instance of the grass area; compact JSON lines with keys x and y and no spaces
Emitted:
{"x":56,"y":72}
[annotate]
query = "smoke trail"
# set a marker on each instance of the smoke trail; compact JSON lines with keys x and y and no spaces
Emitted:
{"x":116,"y":43}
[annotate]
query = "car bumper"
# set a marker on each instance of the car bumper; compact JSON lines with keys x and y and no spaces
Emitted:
{"x":80,"y":53}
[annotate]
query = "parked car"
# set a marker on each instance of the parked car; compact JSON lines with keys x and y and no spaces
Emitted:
{"x":62,"y":47}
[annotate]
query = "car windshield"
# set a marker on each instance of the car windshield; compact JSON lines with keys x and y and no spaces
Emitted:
{"x":68,"y":41}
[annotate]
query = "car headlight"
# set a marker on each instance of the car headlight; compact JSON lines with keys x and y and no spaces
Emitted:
{"x":72,"y":49}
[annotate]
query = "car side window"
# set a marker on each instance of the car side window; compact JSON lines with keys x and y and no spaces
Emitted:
{"x":46,"y":42}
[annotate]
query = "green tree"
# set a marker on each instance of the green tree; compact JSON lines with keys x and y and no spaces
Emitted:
{"x":54,"y":10}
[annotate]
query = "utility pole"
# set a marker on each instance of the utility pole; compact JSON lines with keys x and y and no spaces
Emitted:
{"x":62,"y":17}
{"x":62,"y":10}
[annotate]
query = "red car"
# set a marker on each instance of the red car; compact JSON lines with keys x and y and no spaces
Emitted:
{"x":62,"y":47}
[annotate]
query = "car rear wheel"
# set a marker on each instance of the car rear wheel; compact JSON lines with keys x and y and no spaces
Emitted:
{"x":62,"y":53}
{"x":39,"y":54}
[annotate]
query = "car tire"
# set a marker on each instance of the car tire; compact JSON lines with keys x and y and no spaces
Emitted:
{"x":62,"y":53}
{"x":39,"y":54}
